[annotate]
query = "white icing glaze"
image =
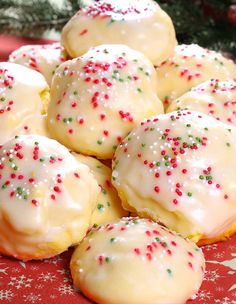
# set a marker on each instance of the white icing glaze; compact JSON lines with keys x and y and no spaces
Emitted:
{"x":188,"y":67}
{"x":46,"y":198}
{"x":42,"y":58}
{"x":108,"y":206}
{"x":137,"y":261}
{"x":98,"y":98}
{"x":179,"y":168}
{"x":23,"y":94}
{"x":140,"y":24}
{"x":214,"y":98}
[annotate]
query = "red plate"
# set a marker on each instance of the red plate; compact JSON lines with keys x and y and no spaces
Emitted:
{"x":49,"y":281}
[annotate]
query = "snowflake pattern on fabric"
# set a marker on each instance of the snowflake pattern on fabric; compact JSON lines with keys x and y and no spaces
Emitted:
{"x":6,"y":295}
{"x":49,"y":281}
{"x":20,"y":281}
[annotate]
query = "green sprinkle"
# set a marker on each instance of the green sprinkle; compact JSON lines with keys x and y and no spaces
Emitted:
{"x":41,"y":160}
{"x":169,"y":272}
{"x":206,"y":129}
{"x":110,"y":22}
{"x":228,"y":144}
{"x":139,"y":90}
{"x":208,"y":177}
{"x":52,"y":157}
{"x":25,"y":196}
{"x":188,"y":125}
{"x":166,"y":157}
{"x":19,"y":190}
{"x":201,"y":177}
{"x":143,"y":145}
{"x":70,"y":119}
{"x":100,"y":207}
{"x":158,"y":164}
{"x":130,"y":77}
{"x":75,"y":92}
{"x":107,"y":259}
{"x":140,"y":69}
{"x":189,"y":194}
{"x":108,"y":204}
{"x":229,"y":130}
{"x":4,"y":186}
{"x":2,"y":99}
{"x":99,"y":142}
{"x":114,"y":147}
{"x":157,"y":239}
{"x":147,"y":74}
{"x":112,"y":240}
{"x":135,"y":221}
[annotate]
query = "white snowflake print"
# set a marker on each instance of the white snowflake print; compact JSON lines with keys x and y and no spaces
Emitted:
{"x":20,"y":281}
{"x":15,"y":270}
{"x":6,"y":295}
{"x":52,"y":296}
{"x":53,"y":260}
{"x":65,"y":289}
{"x":212,"y":276}
{"x":32,"y":298}
{"x":3,"y":271}
{"x":67,"y":278}
{"x":218,"y":255}
{"x":204,"y":295}
{"x":225,"y":300}
{"x":39,"y":286}
{"x":210,"y":247}
{"x":34,"y":267}
{"x":47,"y":277}
{"x":219,"y":288}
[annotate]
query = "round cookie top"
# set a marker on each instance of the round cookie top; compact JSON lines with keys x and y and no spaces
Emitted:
{"x":46,"y":196}
{"x":214,"y":97}
{"x":140,"y":24}
{"x":179,"y":168}
{"x":188,"y":67}
{"x":99,"y":97}
{"x":108,"y":207}
{"x":42,"y":58}
{"x":23,"y":94}
{"x":131,"y":251}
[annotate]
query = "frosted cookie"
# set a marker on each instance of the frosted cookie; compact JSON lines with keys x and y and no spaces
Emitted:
{"x":139,"y":24}
{"x":188,"y":67}
{"x":137,"y":261}
{"x":108,"y":206}
{"x":214,"y":98}
{"x":46,"y":198}
{"x":23,"y":97}
{"x":98,"y":98}
{"x":42,"y":58}
{"x":179,"y":169}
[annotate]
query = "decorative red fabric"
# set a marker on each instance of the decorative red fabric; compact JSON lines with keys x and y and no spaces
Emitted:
{"x":49,"y":281}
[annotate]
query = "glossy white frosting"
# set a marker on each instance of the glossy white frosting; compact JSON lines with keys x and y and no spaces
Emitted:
{"x":98,"y":98}
{"x":108,"y":206}
{"x":43,"y":58}
{"x":188,"y":67}
{"x":23,"y":95}
{"x":214,"y":97}
{"x":46,"y":198}
{"x":179,"y":168}
{"x":140,"y":24}
{"x":137,"y":261}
